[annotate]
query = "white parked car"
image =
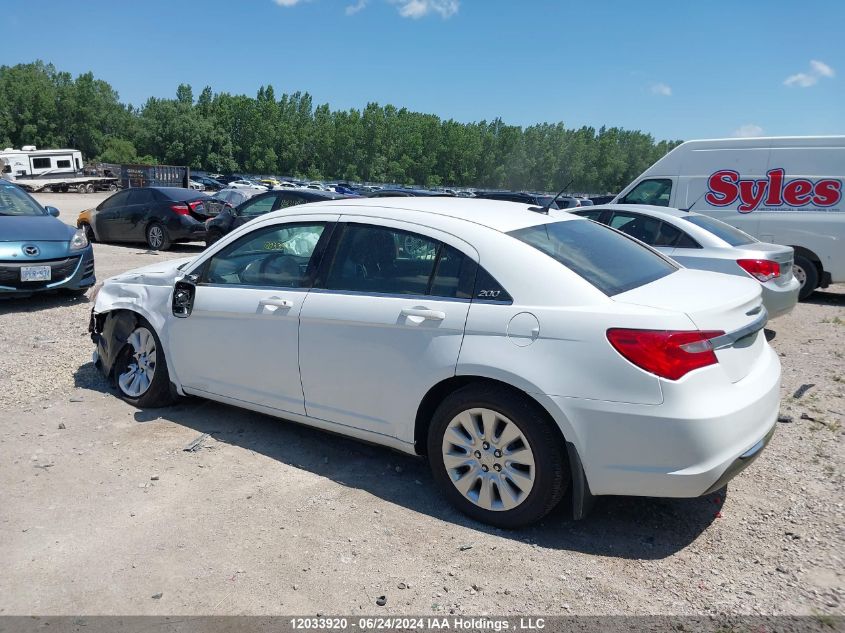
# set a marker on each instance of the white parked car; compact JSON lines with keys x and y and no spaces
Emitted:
{"x":525,"y":354}
{"x":699,"y":241}
{"x":197,"y":186}
{"x":782,"y":190}
{"x":246,"y":184}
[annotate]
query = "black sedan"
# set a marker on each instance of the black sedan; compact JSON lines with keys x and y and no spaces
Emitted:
{"x":231,"y":218}
{"x":158,"y":216}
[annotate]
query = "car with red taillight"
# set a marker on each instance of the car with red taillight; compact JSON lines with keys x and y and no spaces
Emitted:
{"x":526,"y":355}
{"x":699,"y":241}
{"x":158,"y":216}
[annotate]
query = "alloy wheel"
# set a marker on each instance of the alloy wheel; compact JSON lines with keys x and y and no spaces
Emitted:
{"x":140,"y":370}
{"x":488,"y":459}
{"x":155,"y":236}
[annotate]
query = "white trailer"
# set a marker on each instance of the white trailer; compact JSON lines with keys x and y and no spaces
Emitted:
{"x":50,"y":170}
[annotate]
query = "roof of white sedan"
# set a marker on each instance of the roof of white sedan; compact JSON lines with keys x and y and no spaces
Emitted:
{"x":667,"y":212}
{"x":495,"y":214}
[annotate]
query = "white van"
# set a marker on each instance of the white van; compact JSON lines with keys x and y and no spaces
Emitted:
{"x":786,"y":190}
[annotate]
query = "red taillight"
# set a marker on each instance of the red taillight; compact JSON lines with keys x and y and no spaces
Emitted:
{"x":760,"y":269}
{"x":667,"y":354}
{"x":181,"y":209}
{"x":196,"y":204}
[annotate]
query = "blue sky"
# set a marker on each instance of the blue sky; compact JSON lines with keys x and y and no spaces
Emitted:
{"x":673,"y":69}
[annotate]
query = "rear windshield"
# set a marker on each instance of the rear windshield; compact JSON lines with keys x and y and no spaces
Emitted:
{"x":180,"y":194}
{"x":723,"y":231}
{"x":611,"y":261}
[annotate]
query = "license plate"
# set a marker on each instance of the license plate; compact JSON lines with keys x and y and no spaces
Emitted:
{"x":35,"y":273}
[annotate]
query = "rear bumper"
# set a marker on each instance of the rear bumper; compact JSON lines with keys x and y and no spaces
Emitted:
{"x":704,"y":433}
{"x":779,"y":300}
{"x":742,"y":462}
{"x":186,"y":229}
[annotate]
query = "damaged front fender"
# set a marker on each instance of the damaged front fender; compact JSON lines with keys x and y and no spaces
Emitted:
{"x":121,"y":300}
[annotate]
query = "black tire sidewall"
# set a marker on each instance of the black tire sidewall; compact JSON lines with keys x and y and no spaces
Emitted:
{"x":552,"y":474}
{"x":158,"y":394}
{"x":812,"y":276}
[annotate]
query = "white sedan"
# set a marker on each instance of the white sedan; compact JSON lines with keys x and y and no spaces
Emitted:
{"x":525,"y":355}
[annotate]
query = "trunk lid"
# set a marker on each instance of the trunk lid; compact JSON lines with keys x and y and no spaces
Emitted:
{"x":713,"y":301}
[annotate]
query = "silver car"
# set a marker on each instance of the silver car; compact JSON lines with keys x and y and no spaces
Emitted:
{"x":699,"y":241}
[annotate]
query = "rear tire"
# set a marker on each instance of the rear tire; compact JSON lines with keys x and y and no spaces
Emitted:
{"x":157,"y":238}
{"x":807,"y":274}
{"x":497,"y":457}
{"x":140,"y":370}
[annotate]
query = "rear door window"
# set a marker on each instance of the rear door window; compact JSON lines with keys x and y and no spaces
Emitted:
{"x":382,"y":260}
{"x":611,"y":262}
{"x":722,"y":230}
{"x":140,"y":196}
{"x":655,"y":191}
{"x":642,"y":227}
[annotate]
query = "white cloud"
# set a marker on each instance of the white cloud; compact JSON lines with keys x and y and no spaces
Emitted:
{"x":811,"y":78}
{"x":748,"y":130}
{"x":352,"y":9}
{"x":416,"y":9}
{"x":661,"y":89}
{"x":821,"y":69}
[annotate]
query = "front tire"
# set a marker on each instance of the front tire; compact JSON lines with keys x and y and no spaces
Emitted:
{"x":140,"y":371}
{"x":496,"y":456}
{"x":157,"y":238}
{"x":807,"y":274}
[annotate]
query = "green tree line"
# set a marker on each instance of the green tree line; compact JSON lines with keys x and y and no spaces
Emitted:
{"x":290,"y":135}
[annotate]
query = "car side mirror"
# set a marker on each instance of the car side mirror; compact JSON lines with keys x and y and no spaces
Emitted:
{"x":183,"y":296}
{"x":52,"y":211}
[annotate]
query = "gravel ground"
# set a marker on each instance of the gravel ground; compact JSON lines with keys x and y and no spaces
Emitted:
{"x":102,"y":510}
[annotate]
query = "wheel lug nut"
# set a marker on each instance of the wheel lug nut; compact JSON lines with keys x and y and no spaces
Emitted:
{"x":478,"y":454}
{"x":485,"y":445}
{"x":484,"y":468}
{"x":497,"y":468}
{"x":497,"y":453}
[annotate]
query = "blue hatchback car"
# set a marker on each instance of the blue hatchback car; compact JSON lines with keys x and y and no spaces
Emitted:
{"x":38,"y":252}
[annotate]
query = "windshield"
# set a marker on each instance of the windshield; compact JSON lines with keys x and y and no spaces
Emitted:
{"x":611,"y":261}
{"x":13,"y":201}
{"x":723,"y":231}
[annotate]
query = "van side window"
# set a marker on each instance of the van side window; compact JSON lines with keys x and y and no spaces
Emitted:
{"x":655,"y":191}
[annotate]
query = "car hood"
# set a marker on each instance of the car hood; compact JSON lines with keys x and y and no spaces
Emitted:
{"x":34,"y":228}
{"x":158,"y":274}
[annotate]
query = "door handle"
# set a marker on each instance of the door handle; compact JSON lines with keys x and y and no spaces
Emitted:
{"x":276,"y":301}
{"x":423,"y":313}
